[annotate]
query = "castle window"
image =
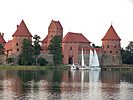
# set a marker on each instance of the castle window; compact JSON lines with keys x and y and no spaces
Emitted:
{"x":104,"y":51}
{"x":70,"y":48}
{"x":116,"y":51}
{"x":115,"y":46}
{"x":110,"y":51}
{"x":108,"y":46}
{"x":16,"y":44}
{"x":17,"y":49}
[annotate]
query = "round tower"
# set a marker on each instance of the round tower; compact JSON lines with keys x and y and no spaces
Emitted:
{"x":111,"y":48}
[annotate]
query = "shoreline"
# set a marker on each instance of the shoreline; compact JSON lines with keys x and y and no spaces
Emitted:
{"x":33,"y":67}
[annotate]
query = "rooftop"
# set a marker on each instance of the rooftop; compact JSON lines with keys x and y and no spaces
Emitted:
{"x":22,"y":30}
{"x":111,"y":34}
{"x":75,"y":37}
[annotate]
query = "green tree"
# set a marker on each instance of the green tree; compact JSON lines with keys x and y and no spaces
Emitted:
{"x":2,"y":49}
{"x":56,"y":49}
{"x":9,"y":60}
{"x":94,"y":46}
{"x":42,"y":62}
{"x":129,"y":48}
{"x":127,"y":54}
{"x":37,"y":47}
{"x":26,"y":56}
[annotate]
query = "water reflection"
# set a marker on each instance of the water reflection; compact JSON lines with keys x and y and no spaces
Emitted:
{"x":65,"y":85}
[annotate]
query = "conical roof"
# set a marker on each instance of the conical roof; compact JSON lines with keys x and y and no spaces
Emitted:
{"x":111,"y":34}
{"x":22,"y":30}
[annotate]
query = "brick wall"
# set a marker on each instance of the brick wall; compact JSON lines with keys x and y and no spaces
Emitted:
{"x":17,"y":43}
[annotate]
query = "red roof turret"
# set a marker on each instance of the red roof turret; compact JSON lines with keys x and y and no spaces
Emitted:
{"x":22,"y":30}
{"x":111,"y":34}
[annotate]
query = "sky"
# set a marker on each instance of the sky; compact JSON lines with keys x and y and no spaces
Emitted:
{"x":92,"y":18}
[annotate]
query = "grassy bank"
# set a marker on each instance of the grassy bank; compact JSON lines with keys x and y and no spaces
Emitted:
{"x":18,"y":67}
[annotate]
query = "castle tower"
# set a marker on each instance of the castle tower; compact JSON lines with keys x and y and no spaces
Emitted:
{"x":2,"y":41}
{"x":54,"y":28}
{"x":21,"y":33}
{"x":111,"y":48}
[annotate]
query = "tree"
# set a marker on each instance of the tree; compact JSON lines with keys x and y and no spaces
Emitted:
{"x":94,"y":46}
{"x":127,"y":54}
{"x":2,"y":49}
{"x":9,"y":60}
{"x":56,"y":49}
{"x":26,"y":56}
{"x":42,"y":62}
{"x":37,"y":47}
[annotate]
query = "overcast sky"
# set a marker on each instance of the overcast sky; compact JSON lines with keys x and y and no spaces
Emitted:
{"x":92,"y":18}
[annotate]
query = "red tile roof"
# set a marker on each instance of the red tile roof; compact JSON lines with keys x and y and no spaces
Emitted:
{"x":111,"y":34}
{"x":8,"y":45}
{"x":45,"y":39}
{"x":75,"y":37}
{"x":22,"y":30}
{"x":2,"y":39}
{"x":57,"y":24}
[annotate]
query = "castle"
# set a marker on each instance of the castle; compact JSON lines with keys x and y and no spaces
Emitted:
{"x":72,"y":43}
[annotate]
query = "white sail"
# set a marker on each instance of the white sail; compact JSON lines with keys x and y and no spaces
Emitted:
{"x":95,"y":59}
{"x":91,"y":58}
{"x":82,"y":62}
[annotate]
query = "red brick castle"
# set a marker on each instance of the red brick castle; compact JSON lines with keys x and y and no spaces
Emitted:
{"x":72,"y":43}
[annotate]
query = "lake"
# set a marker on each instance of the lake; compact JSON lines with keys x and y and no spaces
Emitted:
{"x":65,"y":85}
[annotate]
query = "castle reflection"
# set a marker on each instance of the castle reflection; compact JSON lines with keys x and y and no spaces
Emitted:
{"x":24,"y":84}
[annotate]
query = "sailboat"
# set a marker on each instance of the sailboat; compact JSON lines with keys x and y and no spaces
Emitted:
{"x":83,"y":66}
{"x":73,"y":67}
{"x":94,"y":62}
{"x":82,"y":60}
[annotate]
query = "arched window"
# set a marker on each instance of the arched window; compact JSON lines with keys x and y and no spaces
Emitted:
{"x":16,"y":44}
{"x":17,"y":49}
{"x":107,"y":46}
{"x":115,"y":46}
{"x":70,"y":48}
{"x":116,"y":51}
{"x":110,"y":51}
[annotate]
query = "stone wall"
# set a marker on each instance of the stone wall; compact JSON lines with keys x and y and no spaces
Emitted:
{"x":2,"y":59}
{"x":48,"y":57}
{"x":112,"y":60}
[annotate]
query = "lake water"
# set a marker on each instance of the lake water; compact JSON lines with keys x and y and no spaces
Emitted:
{"x":65,"y":85}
